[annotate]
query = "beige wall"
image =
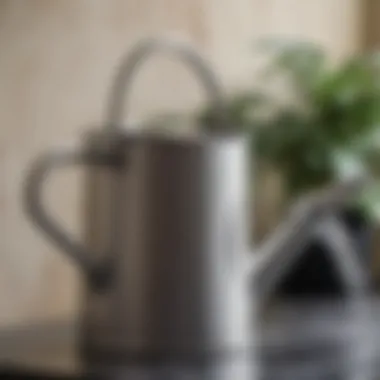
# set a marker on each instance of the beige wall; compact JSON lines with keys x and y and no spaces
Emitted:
{"x":371,"y":28}
{"x":56,"y":62}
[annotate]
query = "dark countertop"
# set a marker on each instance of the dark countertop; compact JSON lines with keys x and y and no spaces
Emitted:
{"x":299,"y":341}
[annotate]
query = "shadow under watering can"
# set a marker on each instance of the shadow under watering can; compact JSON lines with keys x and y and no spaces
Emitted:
{"x":171,"y":278}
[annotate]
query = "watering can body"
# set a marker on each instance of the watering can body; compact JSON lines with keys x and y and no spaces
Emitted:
{"x":165,"y":236}
{"x":179,"y":238}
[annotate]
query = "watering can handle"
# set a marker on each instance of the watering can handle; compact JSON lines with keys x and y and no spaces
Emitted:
{"x":97,"y":273}
{"x":122,"y":83}
{"x":54,"y":159}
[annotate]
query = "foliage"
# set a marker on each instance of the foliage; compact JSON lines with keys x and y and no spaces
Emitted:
{"x":332,"y":118}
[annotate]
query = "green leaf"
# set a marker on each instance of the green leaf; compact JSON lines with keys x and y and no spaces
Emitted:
{"x":302,"y":62}
{"x":369,"y":202}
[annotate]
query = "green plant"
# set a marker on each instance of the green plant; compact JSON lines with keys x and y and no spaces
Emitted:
{"x":328,"y":126}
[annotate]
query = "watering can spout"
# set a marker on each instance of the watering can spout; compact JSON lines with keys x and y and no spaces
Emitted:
{"x":269,"y":262}
{"x":316,"y":218}
{"x":313,"y":217}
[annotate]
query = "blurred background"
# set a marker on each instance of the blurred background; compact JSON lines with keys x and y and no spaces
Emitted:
{"x":57,"y":61}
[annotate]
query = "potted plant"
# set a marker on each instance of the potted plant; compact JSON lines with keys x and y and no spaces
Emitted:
{"x":319,"y":125}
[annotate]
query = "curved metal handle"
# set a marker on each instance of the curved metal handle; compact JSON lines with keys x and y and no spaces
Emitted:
{"x":118,"y":98}
{"x":33,"y":203}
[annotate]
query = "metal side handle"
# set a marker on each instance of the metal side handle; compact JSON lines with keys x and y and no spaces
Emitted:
{"x":34,"y":205}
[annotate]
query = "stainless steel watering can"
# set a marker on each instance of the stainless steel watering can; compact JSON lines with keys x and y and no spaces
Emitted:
{"x":170,"y":273}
